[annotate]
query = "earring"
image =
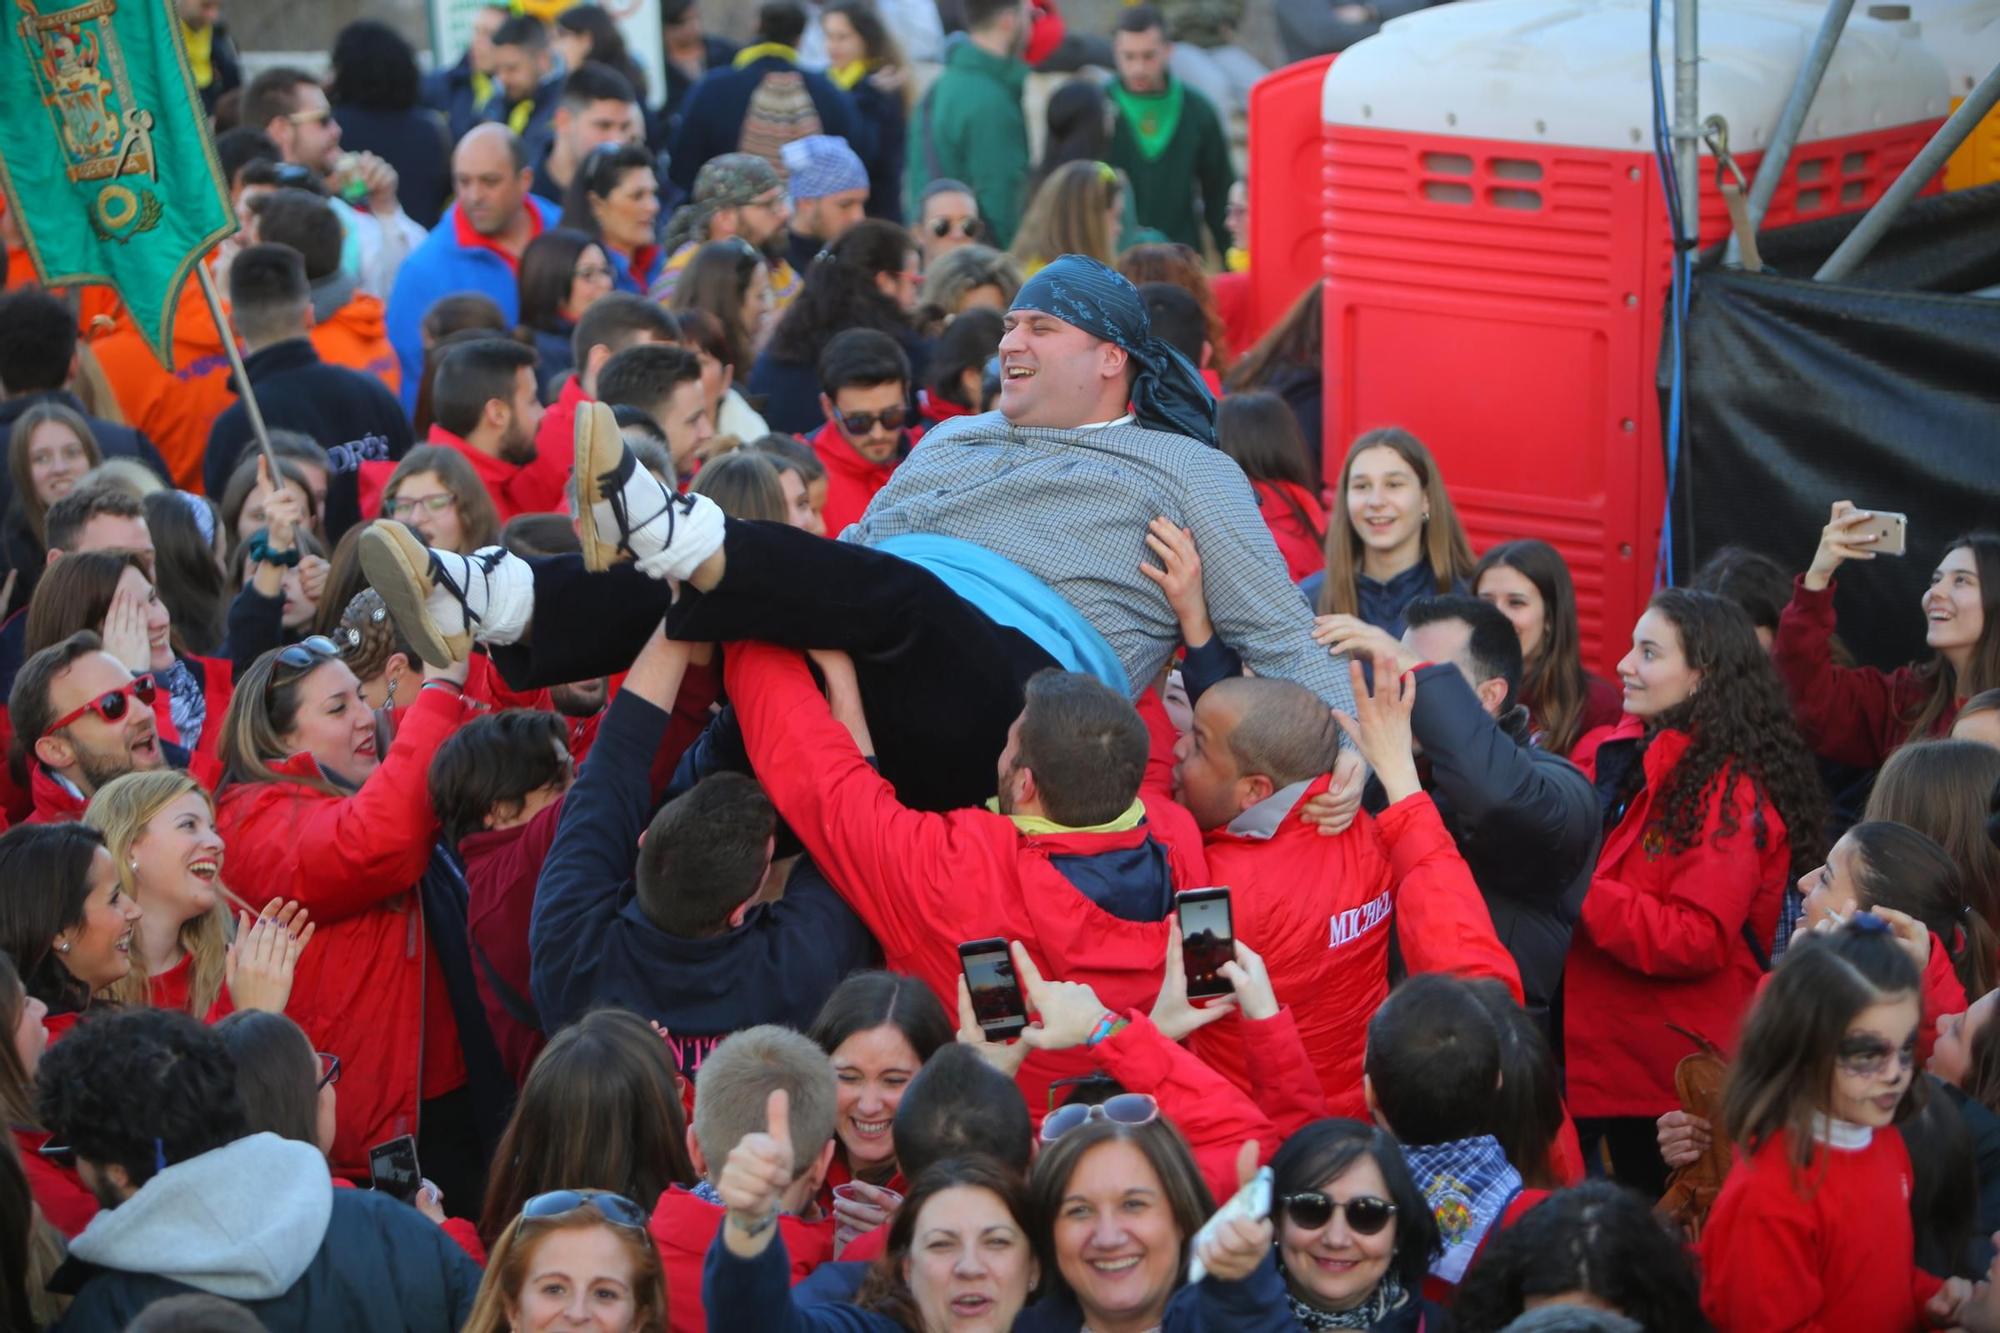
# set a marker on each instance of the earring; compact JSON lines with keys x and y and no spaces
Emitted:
{"x":62,"y":946}
{"x":132,"y":864}
{"x":390,"y":702}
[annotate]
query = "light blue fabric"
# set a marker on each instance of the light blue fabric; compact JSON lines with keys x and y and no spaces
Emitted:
{"x":1009,"y":595}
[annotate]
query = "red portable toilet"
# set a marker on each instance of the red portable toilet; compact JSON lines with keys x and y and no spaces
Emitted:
{"x":1286,"y":240}
{"x":1497,"y":250}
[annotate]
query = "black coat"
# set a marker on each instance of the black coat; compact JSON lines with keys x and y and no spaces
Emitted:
{"x":889,"y":131}
{"x":414,"y":142}
{"x":113,"y":440}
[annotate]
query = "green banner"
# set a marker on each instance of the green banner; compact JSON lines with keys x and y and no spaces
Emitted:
{"x":105,"y":154}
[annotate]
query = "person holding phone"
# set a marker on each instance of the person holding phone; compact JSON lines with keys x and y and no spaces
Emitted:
{"x":1858,"y":715}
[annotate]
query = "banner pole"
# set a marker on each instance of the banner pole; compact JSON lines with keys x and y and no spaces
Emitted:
{"x":243,"y":389}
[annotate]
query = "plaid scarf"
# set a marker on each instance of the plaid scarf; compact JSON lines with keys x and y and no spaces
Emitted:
{"x":1469,"y":1184}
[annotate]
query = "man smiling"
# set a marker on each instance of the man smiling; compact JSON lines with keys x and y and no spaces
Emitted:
{"x":864,"y":380}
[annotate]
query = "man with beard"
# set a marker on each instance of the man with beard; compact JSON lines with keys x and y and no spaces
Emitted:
{"x":485,"y":406}
{"x":737,"y":194}
{"x":83,"y":720}
{"x":352,"y":416}
{"x":665,"y":384}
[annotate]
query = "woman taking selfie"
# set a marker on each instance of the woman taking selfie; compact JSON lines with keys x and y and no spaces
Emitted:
{"x":1858,"y":715}
{"x":1529,"y":581}
{"x":1711,"y":806}
{"x":64,"y":917}
{"x":575,"y":1258}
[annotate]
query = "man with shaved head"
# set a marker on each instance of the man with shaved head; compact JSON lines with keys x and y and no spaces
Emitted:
{"x":477,"y":245}
{"x":1319,"y":909}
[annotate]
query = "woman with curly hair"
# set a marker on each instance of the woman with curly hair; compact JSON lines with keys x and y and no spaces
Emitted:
{"x":1711,"y":807}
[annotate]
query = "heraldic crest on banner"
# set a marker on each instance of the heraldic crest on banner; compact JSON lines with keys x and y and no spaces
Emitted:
{"x":81,"y":77}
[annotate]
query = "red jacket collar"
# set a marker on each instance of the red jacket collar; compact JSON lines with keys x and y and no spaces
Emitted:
{"x":936,"y":408}
{"x":493,"y":473}
{"x":840,"y":456}
{"x":470,"y":239}
{"x":1087,"y":844}
{"x":54,"y":802}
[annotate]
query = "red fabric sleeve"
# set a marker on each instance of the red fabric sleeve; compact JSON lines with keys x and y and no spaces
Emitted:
{"x":1851,"y":715}
{"x":1210,"y":1112}
{"x":1281,"y":1073}
{"x":467,"y":1236}
{"x":1441,"y":920}
{"x":1761,"y":1259}
{"x":64,"y":1201}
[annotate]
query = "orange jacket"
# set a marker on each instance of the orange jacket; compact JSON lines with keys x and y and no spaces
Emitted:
{"x":172,"y":408}
{"x":356,"y":336}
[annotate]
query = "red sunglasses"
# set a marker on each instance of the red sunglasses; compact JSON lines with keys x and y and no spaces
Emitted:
{"x":112,"y":706}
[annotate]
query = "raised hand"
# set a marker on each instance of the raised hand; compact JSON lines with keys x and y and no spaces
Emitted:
{"x":1066,"y":1011}
{"x":1252,"y":984}
{"x":1235,"y":1248}
{"x":1179,"y":577}
{"x":1357,"y":638}
{"x":1005,"y":1056}
{"x":262,"y":962}
{"x":1173,"y":1013}
{"x":1380,"y":728}
{"x":756,"y":1176}
{"x":124,"y":633}
{"x":1839,"y":542}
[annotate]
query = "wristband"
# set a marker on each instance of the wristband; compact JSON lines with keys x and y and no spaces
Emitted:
{"x":756,"y":1228}
{"x":1106,"y":1028}
{"x":260,"y":550}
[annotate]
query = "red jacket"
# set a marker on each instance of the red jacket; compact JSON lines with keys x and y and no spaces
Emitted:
{"x":172,"y":989}
{"x":851,"y":480}
{"x":55,"y":803}
{"x":684,"y":1227}
{"x":1823,"y":1249}
{"x":1666,"y":938}
{"x":501,"y":867}
{"x":218,"y":686}
{"x":555,"y":438}
{"x":370,"y":989}
{"x":1851,"y":715}
{"x":64,"y":1200}
{"x":923,"y":882}
{"x":1302,"y":544}
{"x":1319,"y":911}
{"x":515,"y":487}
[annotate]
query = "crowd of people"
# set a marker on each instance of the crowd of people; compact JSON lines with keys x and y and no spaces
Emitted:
{"x":685,"y":775}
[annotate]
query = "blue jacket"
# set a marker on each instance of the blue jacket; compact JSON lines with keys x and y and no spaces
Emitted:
{"x":1383,"y":603}
{"x":442,"y":267}
{"x":593,"y":945}
{"x":712,"y":118}
{"x":790,"y":390}
{"x":888,"y":125}
{"x":450,"y":91}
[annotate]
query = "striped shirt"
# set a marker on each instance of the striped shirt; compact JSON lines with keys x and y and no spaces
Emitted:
{"x":1071,"y":507}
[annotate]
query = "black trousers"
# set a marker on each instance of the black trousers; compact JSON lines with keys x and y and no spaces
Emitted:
{"x":1632,"y":1143}
{"x":941,"y":683}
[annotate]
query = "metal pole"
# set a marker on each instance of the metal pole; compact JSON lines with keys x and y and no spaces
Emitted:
{"x":1687,"y":116}
{"x":243,"y":389}
{"x":1804,"y":88}
{"x":1876,"y":222}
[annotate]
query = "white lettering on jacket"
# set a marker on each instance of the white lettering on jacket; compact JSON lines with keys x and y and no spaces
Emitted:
{"x":1355,"y":922}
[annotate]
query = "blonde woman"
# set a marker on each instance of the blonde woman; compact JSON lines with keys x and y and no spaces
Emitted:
{"x":160,"y":830}
{"x":1078,"y":210}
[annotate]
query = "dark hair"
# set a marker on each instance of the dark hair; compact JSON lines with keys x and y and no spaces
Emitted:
{"x":616,"y":321}
{"x":863,"y":359}
{"x":1294,"y":341}
{"x":1324,"y":1149}
{"x":876,"y":39}
{"x":76,"y":594}
{"x":646,"y":374}
{"x":714,"y":284}
{"x":194,"y":1312}
{"x":1983,"y":671}
{"x":63,"y":525}
{"x":272,"y":94}
{"x":885,"y":1290}
{"x":1751,"y":579}
{"x":1183,"y":1190}
{"x":743,"y":485}
{"x":959,"y":1104}
{"x":1177,"y":318}
{"x":609,"y":74}
{"x":1898,"y":867}
{"x":1785,"y":1057}
{"x":1528,"y":1112}
{"x":471,"y":375}
{"x":600,"y":1109}
{"x":1258,"y":430}
{"x":1740,"y":728}
{"x":705,"y":853}
{"x":781,"y":21}
{"x":243,"y":481}
{"x":238,"y":148}
{"x":533,"y":535}
{"x":1598,"y":1238}
{"x":142,"y":1089}
{"x":628,"y":417}
{"x":789,"y":454}
{"x":1142,"y":18}
{"x":548,"y":267}
{"x":840,"y":291}
{"x":602,"y":170}
{"x":871,"y":999}
{"x":277,"y":1074}
{"x":373,"y":67}
{"x":1434,"y":1060}
{"x":305,"y":222}
{"x":1552,"y":684}
{"x":967,"y":343}
{"x":189,"y":579}
{"x":462,"y":312}
{"x":17,"y":1084}
{"x":494,"y":760}
{"x":1179,"y":265}
{"x":523,"y":30}
{"x":1079,"y":130}
{"x":28,"y":701}
{"x":37,"y":342}
{"x":268,"y":292}
{"x":1944,"y":1183}
{"x":1494,"y":648}
{"x":1085,"y":744}
{"x":1942,"y":789}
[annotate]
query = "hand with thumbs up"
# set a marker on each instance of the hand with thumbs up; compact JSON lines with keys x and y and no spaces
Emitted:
{"x":1232,"y":1249}
{"x":754,"y":1180}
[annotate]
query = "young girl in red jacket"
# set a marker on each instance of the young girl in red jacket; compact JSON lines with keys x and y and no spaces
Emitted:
{"x":1258,"y":430}
{"x":1812,"y":1229}
{"x":1711,"y":806}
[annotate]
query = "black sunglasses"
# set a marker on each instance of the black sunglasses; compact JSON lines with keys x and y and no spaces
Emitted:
{"x":616,"y":1209}
{"x":969,"y":228}
{"x":860,"y":423}
{"x":1366,"y":1214}
{"x":303,"y":656}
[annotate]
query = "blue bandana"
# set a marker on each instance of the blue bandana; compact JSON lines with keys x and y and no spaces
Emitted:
{"x":1168,"y":394}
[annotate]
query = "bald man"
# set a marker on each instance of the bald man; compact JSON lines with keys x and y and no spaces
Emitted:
{"x":477,"y":245}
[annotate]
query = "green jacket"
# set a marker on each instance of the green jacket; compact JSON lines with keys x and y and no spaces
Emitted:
{"x":970,"y":127}
{"x":1195,"y":158}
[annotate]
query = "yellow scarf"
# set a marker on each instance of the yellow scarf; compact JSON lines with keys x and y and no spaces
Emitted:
{"x":482,"y":89}
{"x":1031,"y":825}
{"x":750,"y":54}
{"x":846,"y":76}
{"x":523,"y":112}
{"x":200,"y":44}
{"x":1237,"y":260}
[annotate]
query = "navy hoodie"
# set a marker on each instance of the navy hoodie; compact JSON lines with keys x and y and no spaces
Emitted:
{"x":593,"y":945}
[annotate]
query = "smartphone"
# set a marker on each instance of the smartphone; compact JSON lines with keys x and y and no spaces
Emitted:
{"x":996,"y":992}
{"x":1890,"y":531}
{"x":1252,"y":1203}
{"x":392,"y":1167}
{"x":1208,"y":940}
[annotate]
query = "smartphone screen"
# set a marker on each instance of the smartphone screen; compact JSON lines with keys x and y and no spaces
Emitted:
{"x":392,"y":1167}
{"x":996,"y":991}
{"x":1207,"y":940}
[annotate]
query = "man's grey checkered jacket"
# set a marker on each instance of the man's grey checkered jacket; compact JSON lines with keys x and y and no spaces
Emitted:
{"x":1071,"y":507}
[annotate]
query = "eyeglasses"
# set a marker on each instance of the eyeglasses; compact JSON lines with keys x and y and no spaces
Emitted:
{"x":616,"y":1209}
{"x":861,"y":423}
{"x":970,"y":229}
{"x":1365,"y":1214}
{"x":407,"y":507}
{"x":590,"y":273}
{"x":111,"y":706}
{"x":329,"y":1067}
{"x":1127,"y":1108}
{"x":1869,"y":1057}
{"x":319,"y":117}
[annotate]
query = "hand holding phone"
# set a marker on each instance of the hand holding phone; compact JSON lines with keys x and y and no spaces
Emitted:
{"x":392,"y":1168}
{"x":1208,"y":940}
{"x":997,"y":1001}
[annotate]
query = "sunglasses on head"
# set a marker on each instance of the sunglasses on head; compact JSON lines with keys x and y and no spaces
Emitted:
{"x":1127,"y":1108}
{"x":111,"y":705}
{"x":969,"y":228}
{"x":861,"y":423}
{"x":613,"y":1208}
{"x":1312,"y":1210}
{"x":303,"y":656}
